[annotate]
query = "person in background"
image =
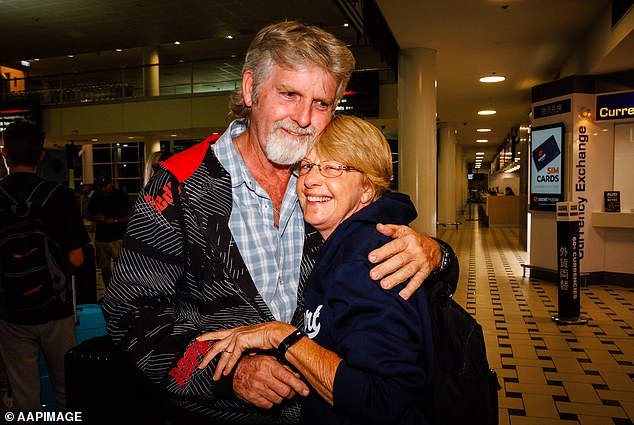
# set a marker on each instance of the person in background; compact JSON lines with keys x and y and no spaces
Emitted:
{"x":218,"y":238}
{"x":366,"y":352}
{"x":48,"y":329}
{"x":110,"y":209}
{"x":158,"y":156}
{"x":508,"y":191}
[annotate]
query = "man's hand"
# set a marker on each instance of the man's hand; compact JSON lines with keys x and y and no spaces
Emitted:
{"x":265,"y":382}
{"x":409,"y":256}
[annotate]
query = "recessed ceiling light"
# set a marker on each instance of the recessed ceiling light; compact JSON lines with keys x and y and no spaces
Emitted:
{"x":229,"y":37}
{"x":483,"y":130}
{"x":482,"y":141}
{"x":71,"y":56}
{"x":492,"y":79}
{"x":479,"y":153}
{"x":118,"y":50}
{"x":173,"y":135}
{"x":487,"y":112}
{"x":346,"y":25}
{"x":177,"y":42}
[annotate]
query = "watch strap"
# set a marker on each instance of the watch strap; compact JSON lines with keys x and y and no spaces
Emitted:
{"x":288,"y":342}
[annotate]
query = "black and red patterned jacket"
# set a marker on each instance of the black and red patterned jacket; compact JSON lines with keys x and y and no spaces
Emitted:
{"x":180,"y":273}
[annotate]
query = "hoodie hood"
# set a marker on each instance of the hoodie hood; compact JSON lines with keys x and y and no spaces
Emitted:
{"x":391,"y":208}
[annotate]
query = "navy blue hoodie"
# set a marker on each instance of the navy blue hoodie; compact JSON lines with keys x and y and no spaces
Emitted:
{"x":384,"y":341}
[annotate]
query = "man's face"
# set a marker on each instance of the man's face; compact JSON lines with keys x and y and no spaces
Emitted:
{"x":293,"y":106}
{"x":106,"y":189}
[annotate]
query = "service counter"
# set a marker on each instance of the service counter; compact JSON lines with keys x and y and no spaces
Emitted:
{"x":616,"y":234}
{"x":613,"y":220}
{"x":503,"y":211}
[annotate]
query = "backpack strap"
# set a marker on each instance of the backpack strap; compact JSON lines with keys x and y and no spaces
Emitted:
{"x":7,"y":199}
{"x":40,"y":192}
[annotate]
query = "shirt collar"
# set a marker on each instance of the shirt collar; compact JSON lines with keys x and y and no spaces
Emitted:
{"x":230,"y":158}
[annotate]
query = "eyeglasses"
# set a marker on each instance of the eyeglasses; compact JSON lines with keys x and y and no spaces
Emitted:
{"x":326,"y":169}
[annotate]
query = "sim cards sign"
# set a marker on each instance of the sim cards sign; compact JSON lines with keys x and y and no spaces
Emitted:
{"x":546,"y":184}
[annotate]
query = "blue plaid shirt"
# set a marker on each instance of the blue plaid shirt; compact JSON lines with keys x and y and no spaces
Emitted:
{"x":272,"y":254}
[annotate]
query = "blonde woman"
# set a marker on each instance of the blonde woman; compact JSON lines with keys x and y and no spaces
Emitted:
{"x":366,"y":352}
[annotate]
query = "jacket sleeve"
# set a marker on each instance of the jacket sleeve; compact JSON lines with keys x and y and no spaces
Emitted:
{"x":144,"y":315}
{"x":384,"y":346}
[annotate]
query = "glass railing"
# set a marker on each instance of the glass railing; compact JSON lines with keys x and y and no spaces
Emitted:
{"x":217,"y":76}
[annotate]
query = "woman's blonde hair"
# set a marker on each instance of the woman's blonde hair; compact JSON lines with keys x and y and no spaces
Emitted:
{"x":357,"y":143}
{"x":154,"y":157}
{"x":292,"y":45}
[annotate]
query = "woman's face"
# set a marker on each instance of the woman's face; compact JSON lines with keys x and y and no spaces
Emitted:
{"x":327,"y":201}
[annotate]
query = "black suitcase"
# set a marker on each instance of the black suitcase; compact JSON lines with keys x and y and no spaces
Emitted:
{"x":107,"y":389}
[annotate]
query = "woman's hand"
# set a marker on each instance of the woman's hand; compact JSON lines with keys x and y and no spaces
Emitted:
{"x":409,"y":256}
{"x":232,"y":343}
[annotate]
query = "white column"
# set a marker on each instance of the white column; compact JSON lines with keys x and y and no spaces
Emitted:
{"x":151,"y":144}
{"x":460,"y":190}
{"x":417,"y":133}
{"x":151,"y":72}
{"x":447,"y":173}
{"x":88,"y":175}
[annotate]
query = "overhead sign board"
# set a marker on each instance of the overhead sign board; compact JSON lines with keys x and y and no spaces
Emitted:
{"x":550,"y":109}
{"x":616,"y":106}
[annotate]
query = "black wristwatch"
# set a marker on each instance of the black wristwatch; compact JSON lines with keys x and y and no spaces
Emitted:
{"x":288,"y":342}
{"x":445,"y":256}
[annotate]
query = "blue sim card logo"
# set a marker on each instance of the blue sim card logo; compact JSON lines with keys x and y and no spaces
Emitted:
{"x":545,"y":153}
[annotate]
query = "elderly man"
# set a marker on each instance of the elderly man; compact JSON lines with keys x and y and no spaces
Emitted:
{"x":218,"y":240}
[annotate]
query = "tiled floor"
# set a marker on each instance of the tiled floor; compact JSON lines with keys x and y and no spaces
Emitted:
{"x":551,"y":374}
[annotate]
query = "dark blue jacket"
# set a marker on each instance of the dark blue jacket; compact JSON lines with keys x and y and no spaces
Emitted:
{"x":384,"y":341}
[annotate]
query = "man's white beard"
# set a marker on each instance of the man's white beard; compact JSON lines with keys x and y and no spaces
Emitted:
{"x":287,"y":150}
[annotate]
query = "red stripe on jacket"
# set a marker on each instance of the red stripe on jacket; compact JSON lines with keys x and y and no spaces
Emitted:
{"x":183,"y":164}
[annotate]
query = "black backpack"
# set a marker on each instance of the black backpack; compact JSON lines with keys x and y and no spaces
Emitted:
{"x":32,"y":275}
{"x":464,"y":388}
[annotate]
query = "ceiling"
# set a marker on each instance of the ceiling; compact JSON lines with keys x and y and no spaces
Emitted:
{"x":527,"y":41}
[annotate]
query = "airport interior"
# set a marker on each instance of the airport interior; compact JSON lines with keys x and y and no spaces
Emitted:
{"x":474,"y":97}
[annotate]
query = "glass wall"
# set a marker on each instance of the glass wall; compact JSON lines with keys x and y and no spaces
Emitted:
{"x":123,"y":162}
{"x":623,"y":160}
